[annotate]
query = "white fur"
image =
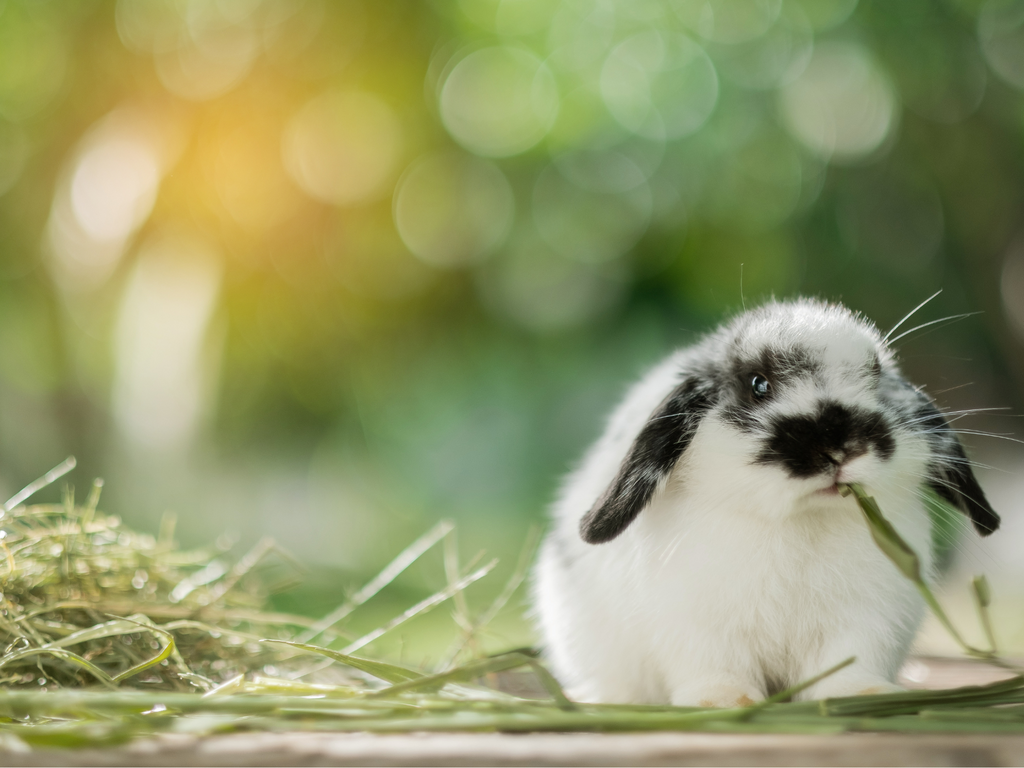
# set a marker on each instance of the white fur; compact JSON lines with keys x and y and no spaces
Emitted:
{"x":736,"y":580}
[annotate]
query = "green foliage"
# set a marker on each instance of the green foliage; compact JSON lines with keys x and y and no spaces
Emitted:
{"x":666,"y":162}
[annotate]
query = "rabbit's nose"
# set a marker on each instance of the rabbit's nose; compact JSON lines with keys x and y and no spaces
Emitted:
{"x":836,"y":457}
{"x":851,"y":450}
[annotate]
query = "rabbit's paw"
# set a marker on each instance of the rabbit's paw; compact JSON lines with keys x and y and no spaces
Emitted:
{"x":721,"y":695}
{"x":883,"y":687}
{"x":859,"y":685}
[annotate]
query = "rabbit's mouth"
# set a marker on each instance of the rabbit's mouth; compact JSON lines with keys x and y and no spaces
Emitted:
{"x":837,"y":475}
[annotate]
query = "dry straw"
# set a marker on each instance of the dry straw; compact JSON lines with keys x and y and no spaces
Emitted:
{"x":110,"y":635}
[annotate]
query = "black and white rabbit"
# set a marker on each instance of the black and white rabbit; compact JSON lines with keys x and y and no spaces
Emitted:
{"x":702,"y":555}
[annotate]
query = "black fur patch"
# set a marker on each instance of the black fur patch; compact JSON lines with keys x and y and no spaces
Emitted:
{"x":951,"y":476}
{"x":780,"y":365}
{"x":652,"y":456}
{"x":812,"y":445}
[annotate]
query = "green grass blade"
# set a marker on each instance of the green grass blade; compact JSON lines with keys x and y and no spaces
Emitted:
{"x":551,"y":685}
{"x":885,"y":536}
{"x":389,"y":673}
{"x":905,"y":559}
{"x":522,"y":569}
{"x":465,"y":673}
{"x":420,"y":607}
{"x":792,"y":691}
{"x":142,"y":622}
{"x":63,"y":655}
{"x":982,"y":599}
{"x":406,"y":558}
{"x":34,"y":487}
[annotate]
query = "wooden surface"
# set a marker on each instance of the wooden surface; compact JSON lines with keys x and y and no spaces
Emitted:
{"x":648,"y":749}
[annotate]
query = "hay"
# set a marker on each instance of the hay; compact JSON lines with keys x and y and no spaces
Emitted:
{"x":86,"y":601}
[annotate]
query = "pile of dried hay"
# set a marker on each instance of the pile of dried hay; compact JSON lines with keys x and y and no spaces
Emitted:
{"x":86,"y":601}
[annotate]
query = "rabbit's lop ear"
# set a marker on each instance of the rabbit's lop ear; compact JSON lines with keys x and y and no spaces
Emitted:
{"x":951,"y":476}
{"x":652,"y":456}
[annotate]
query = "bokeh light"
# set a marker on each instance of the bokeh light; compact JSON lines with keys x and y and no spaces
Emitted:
{"x":659,"y":85}
{"x":451,"y":209}
{"x":842,"y":107}
{"x":499,"y":101}
{"x":106,"y":192}
{"x":735,"y":21}
{"x":161,"y":381}
{"x":772,"y":59}
{"x":243,"y":163}
{"x":200,"y":49}
{"x":1001,"y":31}
{"x":113,"y":188}
{"x":581,"y":34}
{"x":343,"y":147}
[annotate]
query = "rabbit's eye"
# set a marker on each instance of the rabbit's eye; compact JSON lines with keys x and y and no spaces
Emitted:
{"x":760,"y":386}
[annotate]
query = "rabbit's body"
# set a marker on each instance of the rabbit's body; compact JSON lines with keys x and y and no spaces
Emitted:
{"x":724,"y":566}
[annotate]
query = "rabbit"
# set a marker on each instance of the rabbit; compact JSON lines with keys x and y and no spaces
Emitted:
{"x":702,"y":555}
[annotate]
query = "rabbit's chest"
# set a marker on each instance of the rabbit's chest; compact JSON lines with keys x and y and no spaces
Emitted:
{"x":772,"y":587}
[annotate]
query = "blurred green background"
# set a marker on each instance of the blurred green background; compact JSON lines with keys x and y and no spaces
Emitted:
{"x":332,"y":270}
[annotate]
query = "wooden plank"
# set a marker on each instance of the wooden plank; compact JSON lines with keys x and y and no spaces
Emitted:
{"x":658,"y":749}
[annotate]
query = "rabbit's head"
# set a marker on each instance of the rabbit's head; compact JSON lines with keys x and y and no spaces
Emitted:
{"x":783,"y":404}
